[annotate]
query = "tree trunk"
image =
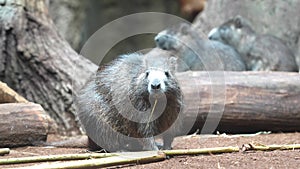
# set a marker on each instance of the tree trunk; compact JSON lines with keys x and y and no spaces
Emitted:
{"x":254,"y":101}
{"x":23,"y":124}
{"x":38,"y":63}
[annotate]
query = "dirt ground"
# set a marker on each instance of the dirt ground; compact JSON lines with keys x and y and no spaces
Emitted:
{"x":277,"y":159}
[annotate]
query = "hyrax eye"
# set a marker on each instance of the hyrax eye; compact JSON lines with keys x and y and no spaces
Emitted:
{"x":147,"y":74}
{"x":223,"y":28}
{"x":238,"y":23}
{"x":167,"y":74}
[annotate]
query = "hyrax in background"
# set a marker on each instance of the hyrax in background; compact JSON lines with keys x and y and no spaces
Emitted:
{"x":261,"y":52}
{"x":131,"y":100}
{"x":196,"y":53}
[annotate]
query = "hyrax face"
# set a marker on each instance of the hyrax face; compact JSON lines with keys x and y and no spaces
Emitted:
{"x":154,"y":80}
{"x":229,"y":32}
{"x":157,"y":78}
{"x":171,"y":38}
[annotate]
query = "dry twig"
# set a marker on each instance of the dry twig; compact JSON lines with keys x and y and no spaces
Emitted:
{"x":54,"y":158}
{"x":4,"y":151}
{"x":134,"y":158}
{"x":114,"y":159}
{"x":260,"y":147}
{"x":214,"y":150}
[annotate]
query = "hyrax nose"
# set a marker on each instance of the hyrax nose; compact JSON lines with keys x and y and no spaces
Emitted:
{"x":156,"y":39}
{"x":155,"y":86}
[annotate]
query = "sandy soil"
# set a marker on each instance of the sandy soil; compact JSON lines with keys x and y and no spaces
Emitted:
{"x":251,"y":159}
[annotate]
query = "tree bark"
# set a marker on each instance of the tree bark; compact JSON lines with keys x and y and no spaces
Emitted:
{"x":23,"y":124}
{"x":254,"y":101}
{"x":38,"y":63}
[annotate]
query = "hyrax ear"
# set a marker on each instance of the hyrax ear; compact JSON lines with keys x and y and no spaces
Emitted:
{"x":238,"y":21}
{"x":172,"y":61}
{"x":145,"y":61}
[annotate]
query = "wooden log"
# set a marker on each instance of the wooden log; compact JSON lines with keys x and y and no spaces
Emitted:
{"x":8,"y":95}
{"x":252,"y":101}
{"x":23,"y":124}
{"x":4,"y":151}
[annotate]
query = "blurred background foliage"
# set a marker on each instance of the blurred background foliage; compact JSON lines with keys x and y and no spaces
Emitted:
{"x":77,"y":20}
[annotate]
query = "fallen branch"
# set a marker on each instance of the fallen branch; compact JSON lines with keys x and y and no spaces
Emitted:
{"x":260,"y":147}
{"x":134,"y":158}
{"x":4,"y":151}
{"x":215,"y":150}
{"x":55,"y":158}
{"x":114,"y":159}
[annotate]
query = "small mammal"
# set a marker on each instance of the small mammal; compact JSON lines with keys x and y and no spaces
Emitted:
{"x":131,"y":100}
{"x":261,"y":52}
{"x":196,"y":53}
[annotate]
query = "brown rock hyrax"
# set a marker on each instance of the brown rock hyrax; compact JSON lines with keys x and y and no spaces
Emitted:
{"x":261,"y":52}
{"x":131,"y":100}
{"x":196,"y":53}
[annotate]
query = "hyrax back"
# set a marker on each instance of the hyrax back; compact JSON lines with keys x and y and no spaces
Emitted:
{"x":195,"y":53}
{"x":124,"y":105}
{"x":260,"y":52}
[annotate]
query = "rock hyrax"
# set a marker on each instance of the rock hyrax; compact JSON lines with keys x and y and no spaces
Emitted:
{"x":260,"y":52}
{"x":196,"y":53}
{"x":131,"y":100}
